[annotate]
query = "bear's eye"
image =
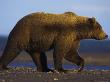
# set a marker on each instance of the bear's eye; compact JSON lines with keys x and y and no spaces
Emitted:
{"x":98,"y":26}
{"x":91,"y":20}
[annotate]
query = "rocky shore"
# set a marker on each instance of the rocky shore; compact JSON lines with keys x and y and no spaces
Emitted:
{"x":24,"y":74}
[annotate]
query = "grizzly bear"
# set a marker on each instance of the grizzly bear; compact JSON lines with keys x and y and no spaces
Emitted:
{"x":37,"y":33}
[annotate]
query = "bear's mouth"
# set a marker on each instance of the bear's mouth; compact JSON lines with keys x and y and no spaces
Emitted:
{"x":100,"y":38}
{"x":96,"y":38}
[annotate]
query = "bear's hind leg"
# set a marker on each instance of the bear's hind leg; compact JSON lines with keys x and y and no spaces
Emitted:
{"x":9,"y":55}
{"x":44,"y":62}
{"x":37,"y":60}
{"x":74,"y":57}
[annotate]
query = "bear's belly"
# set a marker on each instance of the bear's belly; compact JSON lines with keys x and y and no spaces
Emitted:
{"x":44,"y":44}
{"x":42,"y":40}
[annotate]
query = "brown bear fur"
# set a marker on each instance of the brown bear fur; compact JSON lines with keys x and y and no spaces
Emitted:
{"x":70,"y":13}
{"x":40,"y":32}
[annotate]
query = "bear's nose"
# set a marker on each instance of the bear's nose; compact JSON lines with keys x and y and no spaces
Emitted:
{"x":106,"y":36}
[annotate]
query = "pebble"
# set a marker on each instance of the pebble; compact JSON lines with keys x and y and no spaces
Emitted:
{"x":55,"y":79}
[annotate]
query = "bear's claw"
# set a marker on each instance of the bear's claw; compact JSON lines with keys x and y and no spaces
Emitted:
{"x":81,"y":67}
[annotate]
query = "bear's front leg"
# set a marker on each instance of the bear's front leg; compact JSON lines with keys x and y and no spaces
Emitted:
{"x":73,"y":56}
{"x":58,"y":59}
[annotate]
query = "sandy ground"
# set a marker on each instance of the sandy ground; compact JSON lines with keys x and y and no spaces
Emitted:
{"x":21,"y":74}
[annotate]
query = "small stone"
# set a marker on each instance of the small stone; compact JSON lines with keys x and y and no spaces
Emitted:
{"x":55,"y":71}
{"x":55,"y":79}
{"x":49,"y":72}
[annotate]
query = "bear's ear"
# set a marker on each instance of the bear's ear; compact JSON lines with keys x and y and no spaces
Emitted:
{"x":91,"y":20}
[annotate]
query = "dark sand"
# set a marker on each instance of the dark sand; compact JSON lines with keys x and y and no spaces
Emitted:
{"x":21,"y":74}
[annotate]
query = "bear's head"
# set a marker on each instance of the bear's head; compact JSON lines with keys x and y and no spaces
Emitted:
{"x":96,"y":31}
{"x":89,"y":28}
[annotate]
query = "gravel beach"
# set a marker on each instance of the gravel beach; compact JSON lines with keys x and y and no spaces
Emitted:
{"x":24,"y":74}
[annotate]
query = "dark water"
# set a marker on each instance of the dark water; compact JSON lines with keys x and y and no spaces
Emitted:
{"x":66,"y":66}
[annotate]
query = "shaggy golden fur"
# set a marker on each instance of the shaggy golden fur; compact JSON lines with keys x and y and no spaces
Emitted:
{"x":40,"y":32}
